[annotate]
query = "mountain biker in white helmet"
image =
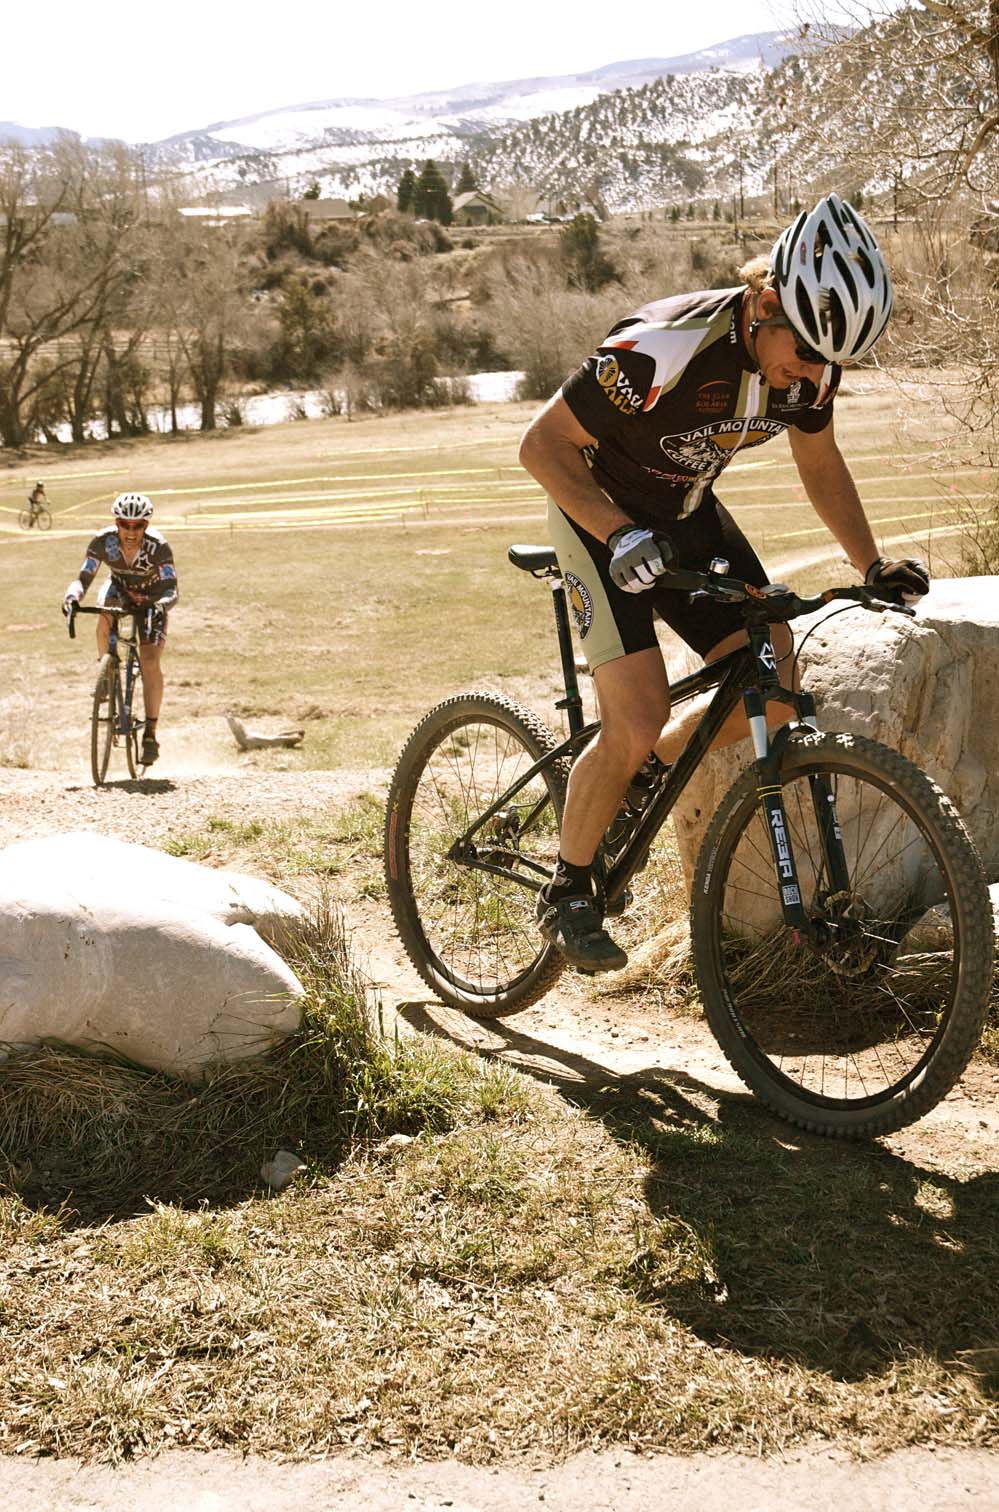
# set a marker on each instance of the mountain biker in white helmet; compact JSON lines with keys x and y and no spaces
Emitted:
{"x":629,"y":450}
{"x":142,"y":573}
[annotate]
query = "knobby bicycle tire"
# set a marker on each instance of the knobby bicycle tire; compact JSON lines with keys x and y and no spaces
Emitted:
{"x":471,"y":934}
{"x":135,"y":724}
{"x":103,"y":718}
{"x":864,"y":1030}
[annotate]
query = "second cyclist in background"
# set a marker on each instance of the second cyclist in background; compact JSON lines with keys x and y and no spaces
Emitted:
{"x":37,"y":501}
{"x":142,"y":574}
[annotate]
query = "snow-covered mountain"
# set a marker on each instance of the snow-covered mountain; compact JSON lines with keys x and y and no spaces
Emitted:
{"x":465,"y":110}
{"x":361,"y":146}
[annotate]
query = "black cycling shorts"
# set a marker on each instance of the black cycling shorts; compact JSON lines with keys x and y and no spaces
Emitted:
{"x":612,"y":623}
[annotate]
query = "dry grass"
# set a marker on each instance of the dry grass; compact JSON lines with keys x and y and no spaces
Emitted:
{"x":526,"y":1284}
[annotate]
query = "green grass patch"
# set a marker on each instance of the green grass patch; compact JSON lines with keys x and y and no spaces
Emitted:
{"x":346,"y":843}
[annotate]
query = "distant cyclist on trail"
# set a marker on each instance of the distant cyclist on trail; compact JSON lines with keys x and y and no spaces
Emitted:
{"x":142,"y":573}
{"x":37,"y":499}
{"x":629,"y":450}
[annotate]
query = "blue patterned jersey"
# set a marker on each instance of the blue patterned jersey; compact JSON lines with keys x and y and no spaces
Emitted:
{"x":150,"y":578}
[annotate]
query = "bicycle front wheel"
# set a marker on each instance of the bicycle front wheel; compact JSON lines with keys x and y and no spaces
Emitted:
{"x":43,"y":519}
{"x":467,"y":920}
{"x":134,"y":717}
{"x":867,"y":1024}
{"x":102,"y":719}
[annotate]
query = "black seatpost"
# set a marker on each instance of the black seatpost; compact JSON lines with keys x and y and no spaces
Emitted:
{"x":573,"y":701}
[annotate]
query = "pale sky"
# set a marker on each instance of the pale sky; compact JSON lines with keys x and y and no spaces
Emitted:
{"x":145,"y":71}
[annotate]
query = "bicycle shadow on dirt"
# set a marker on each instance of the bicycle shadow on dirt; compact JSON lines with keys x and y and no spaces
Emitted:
{"x":143,"y":785}
{"x":845,"y":1258}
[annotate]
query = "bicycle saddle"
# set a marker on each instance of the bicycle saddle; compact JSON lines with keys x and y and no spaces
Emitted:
{"x":540,"y":559}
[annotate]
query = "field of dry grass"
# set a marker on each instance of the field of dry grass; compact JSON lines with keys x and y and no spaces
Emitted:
{"x":346,"y":575}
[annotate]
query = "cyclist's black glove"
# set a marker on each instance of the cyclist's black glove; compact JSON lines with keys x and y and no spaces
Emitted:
{"x":637,"y":558}
{"x":909,"y":577}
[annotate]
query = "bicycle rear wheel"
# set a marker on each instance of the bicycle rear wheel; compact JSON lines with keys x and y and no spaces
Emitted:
{"x":25,"y":519}
{"x":864,"y":1029}
{"x":103,"y":718}
{"x":471,"y":932}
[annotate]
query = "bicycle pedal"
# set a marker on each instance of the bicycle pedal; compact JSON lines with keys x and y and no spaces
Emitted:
{"x":619,"y":905}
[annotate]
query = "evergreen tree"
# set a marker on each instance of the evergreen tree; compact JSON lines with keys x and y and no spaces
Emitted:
{"x":431,"y":199}
{"x":585,"y":262}
{"x":466,"y":180}
{"x":405,"y":194}
{"x":312,"y":193}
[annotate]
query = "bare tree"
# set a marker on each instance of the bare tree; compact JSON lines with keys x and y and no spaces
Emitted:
{"x":905,"y":110}
{"x":65,"y":219}
{"x":210,"y":308}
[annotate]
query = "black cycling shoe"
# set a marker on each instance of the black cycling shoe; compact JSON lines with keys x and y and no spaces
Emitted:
{"x":150,"y":750}
{"x":574,"y":924}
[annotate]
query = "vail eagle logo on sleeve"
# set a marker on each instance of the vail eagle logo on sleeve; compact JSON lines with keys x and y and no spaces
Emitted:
{"x":616,"y":385}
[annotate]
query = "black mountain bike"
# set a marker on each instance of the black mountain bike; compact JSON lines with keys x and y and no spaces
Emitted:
{"x":118,"y":713}
{"x":841,"y":927}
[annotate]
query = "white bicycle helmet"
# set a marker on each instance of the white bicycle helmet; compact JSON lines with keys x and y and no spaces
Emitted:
{"x":132,"y":506}
{"x":832,"y":280}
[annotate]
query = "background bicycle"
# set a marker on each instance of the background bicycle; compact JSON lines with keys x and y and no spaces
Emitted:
{"x":117,"y":715}
{"x":35,"y":516}
{"x":841,"y":928}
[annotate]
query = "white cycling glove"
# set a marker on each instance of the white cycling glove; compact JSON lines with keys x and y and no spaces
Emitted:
{"x":637,"y":558}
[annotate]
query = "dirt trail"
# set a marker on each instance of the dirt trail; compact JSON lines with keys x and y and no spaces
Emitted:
{"x":574,"y":1035}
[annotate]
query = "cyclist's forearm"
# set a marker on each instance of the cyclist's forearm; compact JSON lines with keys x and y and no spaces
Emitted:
{"x":561,"y":469}
{"x":834,"y":497}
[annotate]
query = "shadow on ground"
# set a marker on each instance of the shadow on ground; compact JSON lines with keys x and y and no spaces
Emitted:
{"x":846,"y":1258}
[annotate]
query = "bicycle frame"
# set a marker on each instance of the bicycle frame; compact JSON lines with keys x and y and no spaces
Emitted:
{"x":749,"y":674}
{"x":132,"y":667}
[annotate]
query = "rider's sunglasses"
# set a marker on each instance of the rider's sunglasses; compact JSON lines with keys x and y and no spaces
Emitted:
{"x":131,"y":524}
{"x":802,"y":350}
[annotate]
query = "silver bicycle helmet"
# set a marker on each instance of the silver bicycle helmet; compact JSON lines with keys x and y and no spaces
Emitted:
{"x":832,"y":280}
{"x":132,"y":506}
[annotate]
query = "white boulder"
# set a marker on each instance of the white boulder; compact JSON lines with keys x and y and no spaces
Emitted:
{"x":106,"y":944}
{"x":928,"y":687}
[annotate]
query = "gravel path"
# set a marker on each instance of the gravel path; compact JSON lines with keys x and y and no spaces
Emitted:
{"x":150,"y":809}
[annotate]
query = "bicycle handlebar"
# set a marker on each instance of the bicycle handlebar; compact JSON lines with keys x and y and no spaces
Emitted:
{"x":75,"y":608}
{"x":780,"y":603}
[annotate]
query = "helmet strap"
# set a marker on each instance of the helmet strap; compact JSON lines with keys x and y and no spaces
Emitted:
{"x":754,"y":326}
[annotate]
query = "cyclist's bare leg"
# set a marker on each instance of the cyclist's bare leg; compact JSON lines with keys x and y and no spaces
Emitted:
{"x":103,"y":635}
{"x":634,"y":704}
{"x":676,"y":734}
{"x":152,"y":679}
{"x":633,"y":696}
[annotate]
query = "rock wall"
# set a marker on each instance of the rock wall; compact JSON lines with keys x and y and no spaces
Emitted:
{"x":928,"y":686}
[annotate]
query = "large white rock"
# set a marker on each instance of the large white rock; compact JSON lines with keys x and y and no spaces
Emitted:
{"x":108,"y":944}
{"x":928,"y":687}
